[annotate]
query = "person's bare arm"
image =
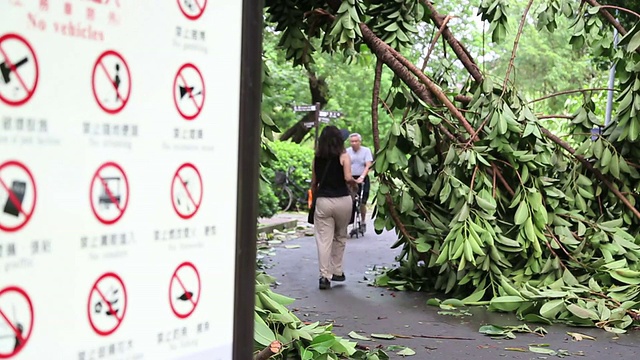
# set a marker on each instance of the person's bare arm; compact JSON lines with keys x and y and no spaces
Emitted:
{"x":345,"y":160}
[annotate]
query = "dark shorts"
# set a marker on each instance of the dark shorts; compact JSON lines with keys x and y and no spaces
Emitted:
{"x":364,"y":188}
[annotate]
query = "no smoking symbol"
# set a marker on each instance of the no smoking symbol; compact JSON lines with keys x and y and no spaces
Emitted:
{"x":184,"y":290}
{"x":186,"y":191}
{"x":111,"y":82}
{"x":188,"y":91}
{"x":16,"y":321}
{"x":192,"y":9}
{"x":18,"y":70}
{"x":17,"y":196}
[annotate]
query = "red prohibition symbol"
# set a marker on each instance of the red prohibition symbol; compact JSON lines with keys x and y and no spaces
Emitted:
{"x":186,"y":191}
{"x":19,"y":70}
{"x":111,"y":82}
{"x":184,"y":290}
{"x":109,"y":193}
{"x":17,"y":196}
{"x":16,"y":313}
{"x":192,"y":9}
{"x":189,"y":91}
{"x":107,"y":304}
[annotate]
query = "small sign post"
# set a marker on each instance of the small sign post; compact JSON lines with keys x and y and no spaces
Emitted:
{"x":319,"y":116}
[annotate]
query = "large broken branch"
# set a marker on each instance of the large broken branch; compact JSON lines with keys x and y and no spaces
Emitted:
{"x":460,"y":51}
{"x":595,"y":171}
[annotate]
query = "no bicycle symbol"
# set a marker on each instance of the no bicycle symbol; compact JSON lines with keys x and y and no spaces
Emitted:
{"x":111,"y":82}
{"x":188,"y":91}
{"x":107,"y":304}
{"x":17,"y":196}
{"x":109,"y":193}
{"x":184,"y":290}
{"x":18,"y":70}
{"x":192,"y":9}
{"x":16,"y":321}
{"x":186,"y":191}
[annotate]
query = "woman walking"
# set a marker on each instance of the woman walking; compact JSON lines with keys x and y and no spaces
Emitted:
{"x":331,"y":178}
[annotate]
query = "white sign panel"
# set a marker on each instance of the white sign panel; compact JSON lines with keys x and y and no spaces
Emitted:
{"x":118,"y":137}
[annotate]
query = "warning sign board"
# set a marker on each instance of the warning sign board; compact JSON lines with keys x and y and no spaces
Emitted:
{"x":111,"y":82}
{"x":18,"y":70}
{"x":188,"y":91}
{"x":107,"y":304}
{"x":192,"y":9}
{"x":17,"y":196}
{"x":16,"y":321}
{"x":184,"y":290}
{"x":109,"y":193}
{"x":186,"y":191}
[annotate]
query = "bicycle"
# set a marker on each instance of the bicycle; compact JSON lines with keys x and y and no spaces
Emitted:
{"x":286,"y":197}
{"x":356,"y":228}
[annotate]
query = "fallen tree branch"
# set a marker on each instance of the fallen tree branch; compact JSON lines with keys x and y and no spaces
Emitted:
{"x":274,"y":348}
{"x":396,"y":219}
{"x":434,"y":41}
{"x":375,"y":104}
{"x":555,"y":117}
{"x":607,"y":15}
{"x":570,"y":92}
{"x":595,"y":171}
{"x":461,"y":52}
{"x":621,"y":9}
{"x":515,"y":46}
{"x":433,"y":88}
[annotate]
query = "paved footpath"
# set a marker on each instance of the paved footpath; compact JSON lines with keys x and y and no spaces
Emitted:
{"x":355,"y":306}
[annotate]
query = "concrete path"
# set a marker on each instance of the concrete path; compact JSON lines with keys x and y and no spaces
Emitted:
{"x":355,"y":306}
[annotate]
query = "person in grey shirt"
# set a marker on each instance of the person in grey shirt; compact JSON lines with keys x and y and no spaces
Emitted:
{"x":361,"y":160}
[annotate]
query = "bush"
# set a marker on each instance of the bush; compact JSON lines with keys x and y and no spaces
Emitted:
{"x":267,"y":200}
{"x":290,"y":154}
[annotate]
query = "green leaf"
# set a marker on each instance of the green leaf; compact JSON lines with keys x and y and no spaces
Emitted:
{"x":406,"y":352}
{"x":433,"y":302}
{"x":582,"y":312}
{"x":507,"y":303}
{"x":550,"y":309}
{"x":522,"y":214}
{"x":475,"y":297}
{"x":383,"y":336}
{"x":262,"y":333}
{"x":407,"y":203}
{"x":634,"y":43}
{"x":614,"y":168}
{"x":453,"y":302}
{"x":356,"y":336}
{"x":540,"y":350}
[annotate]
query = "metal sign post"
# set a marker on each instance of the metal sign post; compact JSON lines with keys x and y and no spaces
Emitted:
{"x":318,"y":117}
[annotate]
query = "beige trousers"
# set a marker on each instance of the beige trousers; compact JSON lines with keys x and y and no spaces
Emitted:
{"x":331,"y":220}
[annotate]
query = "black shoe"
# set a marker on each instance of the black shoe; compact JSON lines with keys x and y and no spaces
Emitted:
{"x":338,"y":277}
{"x":324,"y":283}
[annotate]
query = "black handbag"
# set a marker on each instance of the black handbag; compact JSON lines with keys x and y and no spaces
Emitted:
{"x":312,"y":209}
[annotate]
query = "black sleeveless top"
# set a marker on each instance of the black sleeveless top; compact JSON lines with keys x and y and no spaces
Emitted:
{"x":334,"y":184}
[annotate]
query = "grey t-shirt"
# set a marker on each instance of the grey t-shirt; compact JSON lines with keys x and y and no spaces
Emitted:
{"x":359,"y":159}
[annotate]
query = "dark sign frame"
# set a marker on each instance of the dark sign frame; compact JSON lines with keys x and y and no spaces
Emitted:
{"x":248,"y":173}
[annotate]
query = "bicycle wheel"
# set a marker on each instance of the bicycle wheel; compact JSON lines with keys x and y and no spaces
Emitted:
{"x":285,"y":198}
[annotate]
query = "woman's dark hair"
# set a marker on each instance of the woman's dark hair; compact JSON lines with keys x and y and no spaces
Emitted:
{"x":330,"y":142}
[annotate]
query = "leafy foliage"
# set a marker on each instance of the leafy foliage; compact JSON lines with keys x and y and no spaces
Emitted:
{"x":273,"y":321}
{"x":289,"y":154}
